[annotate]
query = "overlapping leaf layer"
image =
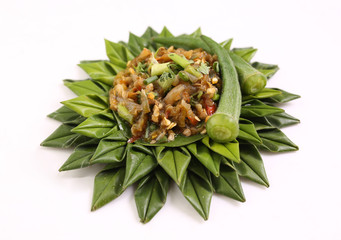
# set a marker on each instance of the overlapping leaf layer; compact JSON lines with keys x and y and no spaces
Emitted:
{"x":197,"y":165}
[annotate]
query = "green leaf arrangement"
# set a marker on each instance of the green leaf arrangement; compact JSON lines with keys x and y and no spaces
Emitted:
{"x":198,"y":165}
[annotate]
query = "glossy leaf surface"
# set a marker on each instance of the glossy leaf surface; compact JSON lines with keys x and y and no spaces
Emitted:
{"x":122,"y":125}
{"x":147,"y":36}
{"x":251,"y":165}
{"x":62,"y":137}
{"x":246,"y":53}
{"x":196,"y":167}
{"x":198,"y":192}
{"x":97,"y":126}
{"x":139,"y":162}
{"x":118,"y":54}
{"x":110,"y":149}
{"x":87,"y":105}
{"x":174,"y":161}
{"x":100,"y":70}
{"x":165,"y":33}
{"x":229,"y":150}
{"x":197,"y":33}
{"x":81,"y":156}
{"x":257,"y":108}
{"x":136,"y":44}
{"x":280,"y":120}
{"x":267,"y":69}
{"x":84,"y":87}
{"x":209,"y":159}
{"x":108,"y":186}
{"x":228,"y":184}
{"x":247,"y":131}
{"x":227,"y":44}
{"x":282,"y":98}
{"x":274,"y":140}
{"x":151,"y":194}
{"x":265,"y":93}
{"x":67,"y":116}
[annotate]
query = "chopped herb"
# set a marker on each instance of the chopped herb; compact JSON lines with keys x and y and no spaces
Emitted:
{"x":203,"y":68}
{"x":142,"y":67}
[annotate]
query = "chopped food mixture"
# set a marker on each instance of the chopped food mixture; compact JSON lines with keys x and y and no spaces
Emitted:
{"x":170,"y":92}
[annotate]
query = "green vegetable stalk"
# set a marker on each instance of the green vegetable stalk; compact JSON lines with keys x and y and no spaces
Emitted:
{"x":251,"y":80}
{"x":223,"y":125}
{"x":158,"y":69}
{"x":183,"y":62}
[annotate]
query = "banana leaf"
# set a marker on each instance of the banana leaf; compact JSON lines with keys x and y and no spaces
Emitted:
{"x":267,"y":69}
{"x":151,"y":194}
{"x":84,"y":87}
{"x":228,"y":184}
{"x":198,"y":192}
{"x":111,"y":149}
{"x":256,"y":108}
{"x":283,"y":97}
{"x":274,"y":140}
{"x":62,"y":137}
{"x":227,"y":44}
{"x":118,"y":54}
{"x":165,"y":33}
{"x":97,"y":126}
{"x":247,"y":131}
{"x":251,"y":165}
{"x":147,"y":36}
{"x":197,"y":33}
{"x":261,"y":123}
{"x":87,"y":105}
{"x":139,"y":162}
{"x":67,"y":116}
{"x":174,"y":161}
{"x":136,"y":44}
{"x":265,"y":93}
{"x":209,"y":159}
{"x":201,"y":171}
{"x":280,"y":120}
{"x":246,"y":53}
{"x":229,"y":150}
{"x":122,"y":125}
{"x":102,"y":71}
{"x":81,"y":156}
{"x":108,"y":186}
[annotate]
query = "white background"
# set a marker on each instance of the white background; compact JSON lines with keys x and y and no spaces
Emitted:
{"x":42,"y":41}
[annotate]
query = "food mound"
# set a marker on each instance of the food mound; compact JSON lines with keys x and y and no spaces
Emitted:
{"x":170,"y":92}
